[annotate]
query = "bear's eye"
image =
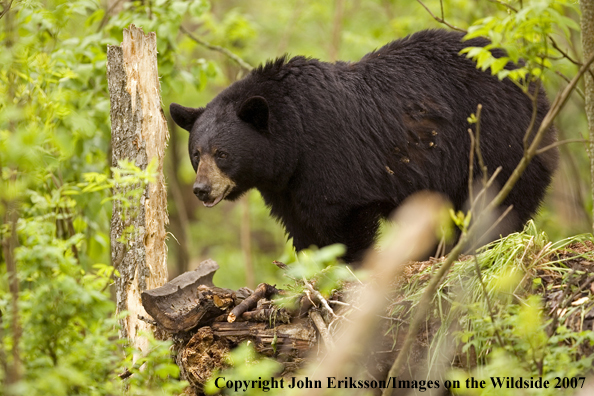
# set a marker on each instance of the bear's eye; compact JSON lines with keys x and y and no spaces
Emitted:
{"x":196,"y":156}
{"x":221,"y":154}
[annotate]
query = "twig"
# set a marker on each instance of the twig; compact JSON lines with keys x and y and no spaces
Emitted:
{"x":3,"y":361}
{"x":394,"y":319}
{"x":388,"y":9}
{"x":471,"y":167}
{"x":477,"y":267}
{"x":567,"y":80}
{"x":580,"y":289}
{"x":341,"y":303}
{"x":353,"y":274}
{"x":567,"y":56}
{"x":291,"y":24}
{"x":319,"y":296}
{"x":322,"y":329}
{"x":111,"y":279}
{"x":441,"y":20}
{"x":280,"y":265}
{"x":283,"y":267}
{"x":560,"y":143}
{"x":504,"y":4}
{"x":485,"y":188}
{"x":495,"y":224}
{"x":182,"y":216}
{"x":441,"y":247}
{"x":6,"y":9}
{"x":528,"y":245}
{"x":305,"y":303}
{"x":263,"y":290}
{"x":220,"y":49}
{"x":336,"y":29}
{"x":107,"y":14}
{"x":532,"y":118}
{"x":541,"y":254}
{"x":477,"y":145}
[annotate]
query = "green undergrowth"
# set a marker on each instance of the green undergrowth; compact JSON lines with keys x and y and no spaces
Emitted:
{"x":518,"y":308}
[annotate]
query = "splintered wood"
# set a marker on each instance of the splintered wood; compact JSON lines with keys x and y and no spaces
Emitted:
{"x":188,"y":301}
{"x":139,"y":134}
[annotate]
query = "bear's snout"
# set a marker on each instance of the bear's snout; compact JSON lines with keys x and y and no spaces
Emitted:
{"x":202,"y":191}
{"x":211,"y":185}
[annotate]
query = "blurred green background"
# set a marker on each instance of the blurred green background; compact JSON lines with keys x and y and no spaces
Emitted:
{"x":54,"y":91}
{"x":56,"y":279}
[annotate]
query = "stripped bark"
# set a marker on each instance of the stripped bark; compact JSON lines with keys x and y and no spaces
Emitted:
{"x":139,"y":134}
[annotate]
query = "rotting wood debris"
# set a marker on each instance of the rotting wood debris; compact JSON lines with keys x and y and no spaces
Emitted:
{"x":206,"y":322}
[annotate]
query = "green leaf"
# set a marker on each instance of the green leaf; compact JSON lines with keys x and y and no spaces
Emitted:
{"x":179,"y":7}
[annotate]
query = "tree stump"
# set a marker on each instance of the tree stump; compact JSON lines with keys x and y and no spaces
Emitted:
{"x":139,"y":134}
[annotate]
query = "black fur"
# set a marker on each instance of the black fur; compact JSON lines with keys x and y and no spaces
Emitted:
{"x":335,"y":147}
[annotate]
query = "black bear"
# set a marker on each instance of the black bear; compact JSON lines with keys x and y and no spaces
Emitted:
{"x":334,"y":147}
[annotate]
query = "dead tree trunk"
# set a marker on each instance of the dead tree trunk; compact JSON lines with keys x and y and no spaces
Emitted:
{"x":139,"y":134}
{"x":587,"y":8}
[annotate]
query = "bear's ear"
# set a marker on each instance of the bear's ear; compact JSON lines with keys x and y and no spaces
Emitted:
{"x":255,"y":111}
{"x":185,"y":117}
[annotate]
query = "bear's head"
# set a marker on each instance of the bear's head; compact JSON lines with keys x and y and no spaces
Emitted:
{"x":228,"y":145}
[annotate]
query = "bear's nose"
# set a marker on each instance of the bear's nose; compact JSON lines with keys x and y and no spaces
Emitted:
{"x":201,"y":190}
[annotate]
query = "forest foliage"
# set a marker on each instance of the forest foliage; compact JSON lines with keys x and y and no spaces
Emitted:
{"x":57,"y":325}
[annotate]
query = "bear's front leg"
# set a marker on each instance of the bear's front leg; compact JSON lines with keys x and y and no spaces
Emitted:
{"x":356,"y":228}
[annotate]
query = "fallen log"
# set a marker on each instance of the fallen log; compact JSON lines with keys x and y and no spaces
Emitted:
{"x":196,"y":312}
{"x":191,"y":301}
